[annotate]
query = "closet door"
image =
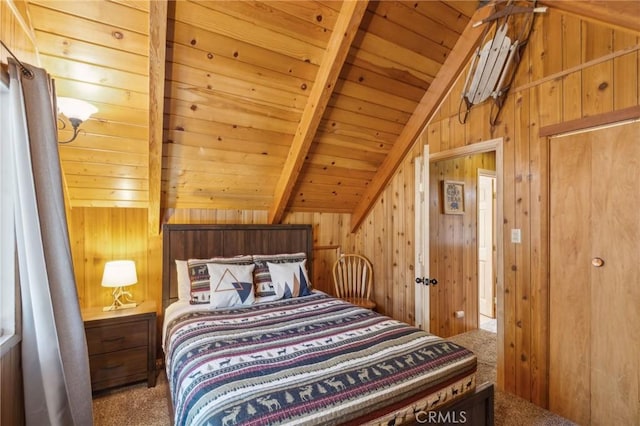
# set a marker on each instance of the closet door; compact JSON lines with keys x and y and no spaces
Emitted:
{"x":594,"y":369}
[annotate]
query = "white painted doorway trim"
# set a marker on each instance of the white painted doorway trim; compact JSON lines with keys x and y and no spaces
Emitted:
{"x":421,"y":167}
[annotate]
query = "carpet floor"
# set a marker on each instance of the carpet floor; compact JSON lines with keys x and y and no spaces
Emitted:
{"x":509,"y":410}
{"x":137,"y":405}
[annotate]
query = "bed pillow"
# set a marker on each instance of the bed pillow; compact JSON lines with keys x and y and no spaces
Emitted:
{"x":265,"y":289}
{"x":292,"y":277}
{"x":231,"y":285}
{"x":200,"y":287}
{"x":184,"y":284}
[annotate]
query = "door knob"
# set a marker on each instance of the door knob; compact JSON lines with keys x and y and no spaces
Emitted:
{"x":422,"y":280}
{"x":597,"y":262}
{"x":426,"y":281}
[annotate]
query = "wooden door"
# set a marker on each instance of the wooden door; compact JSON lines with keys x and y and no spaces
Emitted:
{"x":594,"y":370}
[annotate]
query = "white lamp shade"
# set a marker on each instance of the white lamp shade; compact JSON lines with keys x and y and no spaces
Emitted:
{"x":76,"y":108}
{"x":119,"y":273}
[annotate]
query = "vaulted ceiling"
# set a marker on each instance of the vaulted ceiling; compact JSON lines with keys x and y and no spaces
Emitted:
{"x":259,"y":105}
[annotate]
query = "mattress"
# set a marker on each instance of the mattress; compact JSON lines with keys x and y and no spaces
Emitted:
{"x":307,"y":360}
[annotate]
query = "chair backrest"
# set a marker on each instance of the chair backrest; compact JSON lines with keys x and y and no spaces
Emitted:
{"x":352,"y":276}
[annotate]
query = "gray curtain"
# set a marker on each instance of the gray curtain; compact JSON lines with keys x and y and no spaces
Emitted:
{"x":55,"y":363}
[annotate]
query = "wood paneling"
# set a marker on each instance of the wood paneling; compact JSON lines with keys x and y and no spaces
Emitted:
{"x":593,"y":307}
{"x":246,"y":71}
{"x":11,"y":399}
{"x":583,"y":80}
{"x":100,"y":54}
{"x":239,"y":76}
{"x":623,"y":16}
{"x":261,"y":72}
{"x":569,"y":379}
{"x":337,"y":48}
{"x":98,"y":235}
{"x":424,"y":109}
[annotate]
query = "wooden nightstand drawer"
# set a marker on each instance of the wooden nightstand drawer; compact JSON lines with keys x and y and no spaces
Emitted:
{"x":117,"y":337}
{"x":119,"y":367}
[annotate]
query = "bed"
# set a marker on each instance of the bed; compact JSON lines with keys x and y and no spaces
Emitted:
{"x":302,"y":358}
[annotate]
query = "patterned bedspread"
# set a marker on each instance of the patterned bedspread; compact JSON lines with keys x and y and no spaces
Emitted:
{"x":307,"y":360}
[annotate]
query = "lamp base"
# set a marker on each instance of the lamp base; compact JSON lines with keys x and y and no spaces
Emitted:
{"x":121,"y":300}
{"x":115,"y":307}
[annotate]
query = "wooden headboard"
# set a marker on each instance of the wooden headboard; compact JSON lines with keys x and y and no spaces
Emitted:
{"x":205,"y":241}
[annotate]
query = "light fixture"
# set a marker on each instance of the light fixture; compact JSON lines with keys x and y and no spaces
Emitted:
{"x":76,"y":111}
{"x":118,"y":274}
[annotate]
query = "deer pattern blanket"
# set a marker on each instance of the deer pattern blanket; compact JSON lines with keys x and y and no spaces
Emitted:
{"x":306,"y":360}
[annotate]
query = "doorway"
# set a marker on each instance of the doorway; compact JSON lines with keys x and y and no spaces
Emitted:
{"x":450,"y":253}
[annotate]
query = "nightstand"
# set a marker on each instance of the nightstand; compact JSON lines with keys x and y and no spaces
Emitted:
{"x":122,"y":345}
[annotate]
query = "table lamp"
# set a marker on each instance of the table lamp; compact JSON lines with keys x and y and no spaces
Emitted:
{"x":117,"y":274}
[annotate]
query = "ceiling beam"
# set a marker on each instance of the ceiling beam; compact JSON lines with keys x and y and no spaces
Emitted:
{"x":157,"y":53}
{"x":623,"y":15}
{"x":344,"y":32}
{"x":429,"y":104}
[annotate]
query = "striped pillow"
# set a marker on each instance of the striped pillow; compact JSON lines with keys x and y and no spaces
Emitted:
{"x":199,"y":276}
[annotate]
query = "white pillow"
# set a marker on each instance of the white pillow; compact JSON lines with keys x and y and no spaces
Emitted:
{"x":231,"y":285}
{"x":291,"y":277}
{"x":266,"y":290}
{"x":184,"y":283}
{"x":199,"y":278}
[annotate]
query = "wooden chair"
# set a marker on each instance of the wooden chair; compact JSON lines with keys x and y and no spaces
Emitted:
{"x":353,"y":279}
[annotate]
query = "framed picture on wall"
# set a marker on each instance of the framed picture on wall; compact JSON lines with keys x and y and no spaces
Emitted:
{"x":453,"y":194}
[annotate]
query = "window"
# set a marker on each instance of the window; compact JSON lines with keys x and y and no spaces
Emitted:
{"x":8,"y":277}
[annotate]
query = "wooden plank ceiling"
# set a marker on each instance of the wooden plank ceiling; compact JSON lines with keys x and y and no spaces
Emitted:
{"x":268,"y":105}
{"x":242,"y":128}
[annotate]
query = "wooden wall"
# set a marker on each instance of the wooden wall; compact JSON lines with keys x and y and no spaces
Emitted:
{"x":15,"y":33}
{"x":11,"y":399}
{"x":572,"y":69}
{"x":98,"y":235}
{"x":101,"y":234}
